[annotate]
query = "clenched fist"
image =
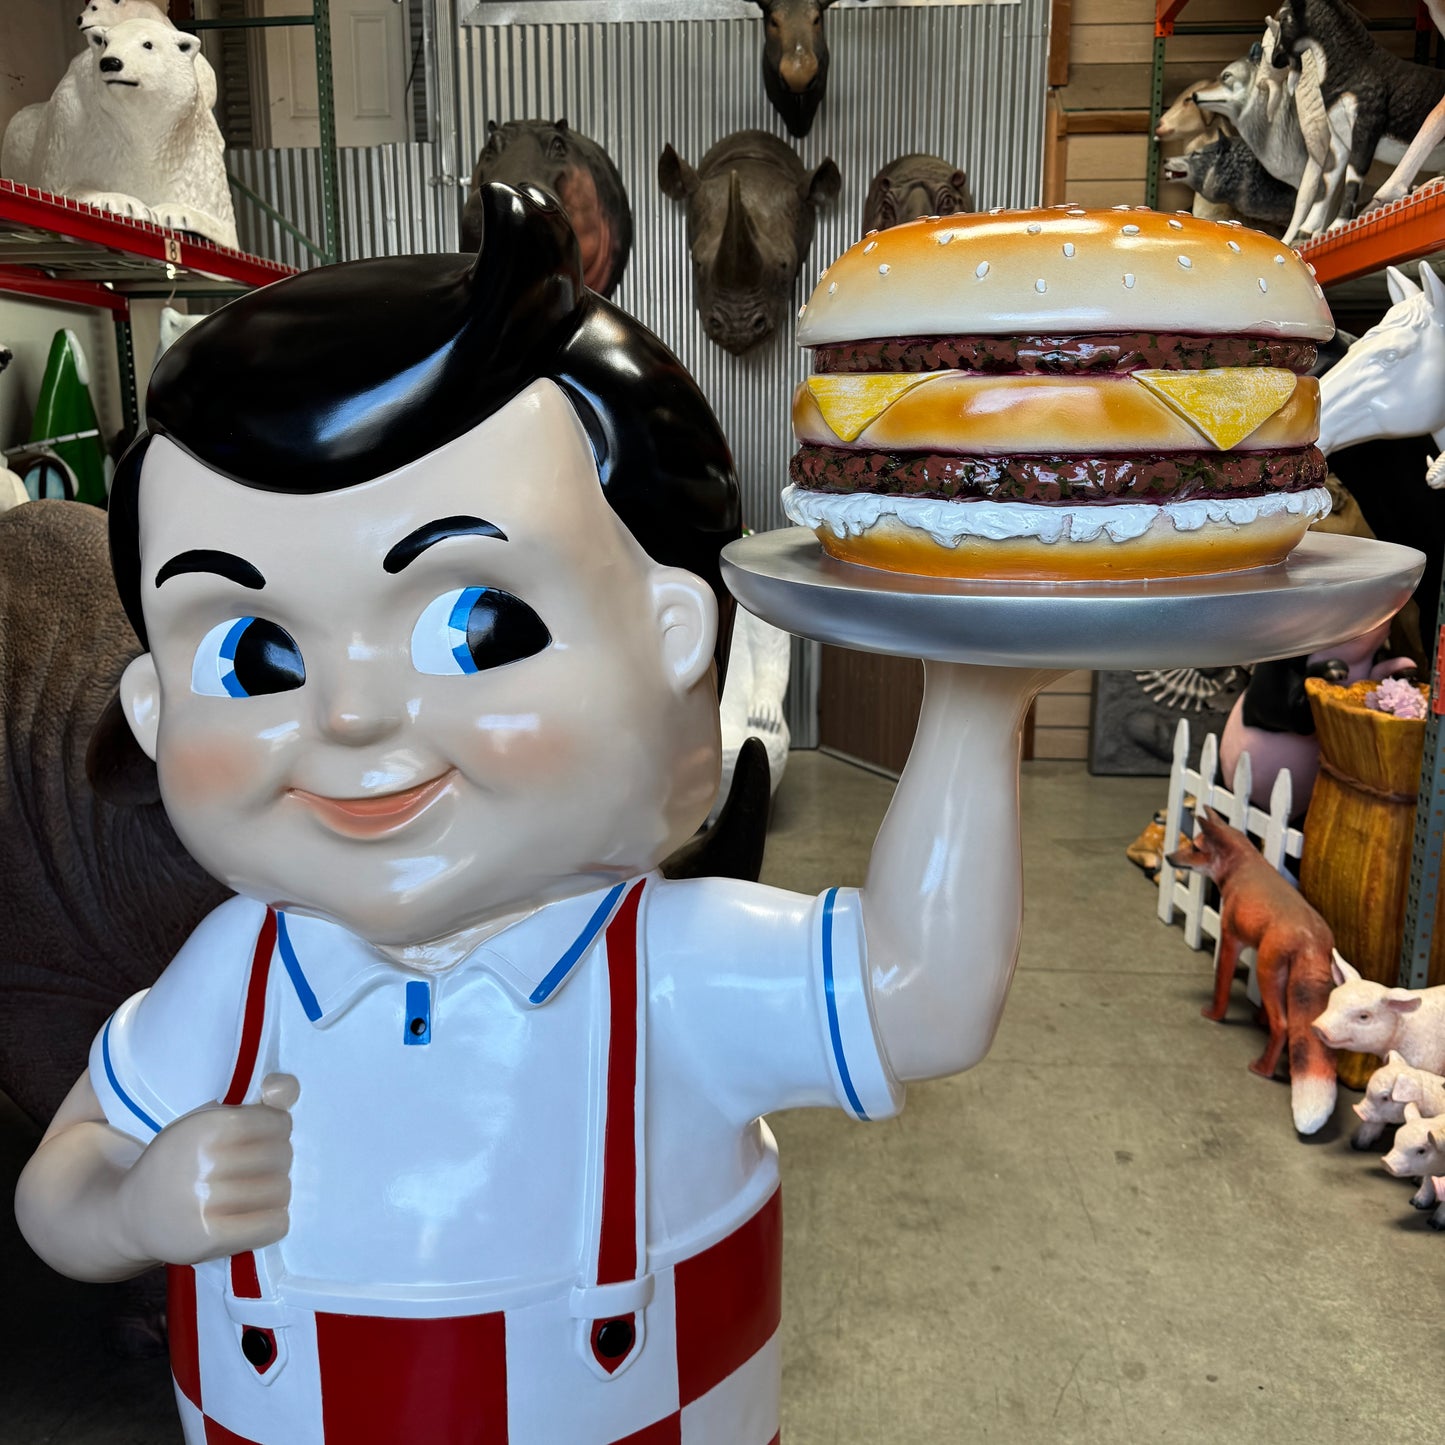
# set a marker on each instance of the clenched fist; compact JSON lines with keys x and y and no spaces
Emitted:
{"x":215,"y":1182}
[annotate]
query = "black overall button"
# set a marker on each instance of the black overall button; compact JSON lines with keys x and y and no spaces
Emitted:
{"x":257,"y":1346}
{"x":614,"y":1339}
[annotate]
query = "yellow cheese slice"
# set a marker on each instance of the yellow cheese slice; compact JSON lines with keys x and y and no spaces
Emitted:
{"x":850,"y":403}
{"x":1225,"y":404}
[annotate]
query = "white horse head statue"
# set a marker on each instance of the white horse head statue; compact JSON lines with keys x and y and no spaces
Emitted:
{"x":1391,"y":382}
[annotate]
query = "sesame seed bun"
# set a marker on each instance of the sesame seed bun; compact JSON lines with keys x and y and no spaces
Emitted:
{"x":1064,"y":270}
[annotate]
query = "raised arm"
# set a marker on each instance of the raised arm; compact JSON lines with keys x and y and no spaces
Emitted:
{"x":943,"y":902}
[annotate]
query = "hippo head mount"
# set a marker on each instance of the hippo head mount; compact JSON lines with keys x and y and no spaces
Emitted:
{"x":751,"y":206}
{"x":912,"y":186}
{"x":575,"y":169}
{"x":795,"y":59}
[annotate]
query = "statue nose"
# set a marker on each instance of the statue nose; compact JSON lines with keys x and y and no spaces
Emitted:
{"x":111,"y":63}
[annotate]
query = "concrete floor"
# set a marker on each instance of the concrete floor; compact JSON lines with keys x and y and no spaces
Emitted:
{"x":1108,"y":1232}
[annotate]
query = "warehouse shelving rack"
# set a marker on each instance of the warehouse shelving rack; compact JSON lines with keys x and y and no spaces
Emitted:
{"x":53,"y":248}
{"x":1408,"y":230}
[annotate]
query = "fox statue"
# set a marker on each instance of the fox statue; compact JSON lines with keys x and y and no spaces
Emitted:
{"x":1258,"y":909}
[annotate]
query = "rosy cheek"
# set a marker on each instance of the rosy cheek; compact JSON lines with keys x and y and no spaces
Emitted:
{"x":513,"y":754}
{"x":213,"y":772}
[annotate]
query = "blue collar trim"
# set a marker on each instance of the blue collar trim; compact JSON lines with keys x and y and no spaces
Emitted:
{"x":581,"y":944}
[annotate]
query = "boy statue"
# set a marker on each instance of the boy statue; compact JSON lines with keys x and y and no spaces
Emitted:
{"x":449,"y":1125}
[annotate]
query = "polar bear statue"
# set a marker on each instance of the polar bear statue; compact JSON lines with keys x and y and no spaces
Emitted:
{"x":128,"y":129}
{"x":102,"y":14}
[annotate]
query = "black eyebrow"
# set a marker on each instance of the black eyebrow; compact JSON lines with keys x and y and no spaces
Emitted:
{"x":411,"y":547}
{"x":223,"y":564}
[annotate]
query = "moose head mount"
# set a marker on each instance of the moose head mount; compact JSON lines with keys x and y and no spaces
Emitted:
{"x":795,"y":59}
{"x":751,"y":206}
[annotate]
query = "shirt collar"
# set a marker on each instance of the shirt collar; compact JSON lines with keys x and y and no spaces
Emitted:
{"x":330,"y":968}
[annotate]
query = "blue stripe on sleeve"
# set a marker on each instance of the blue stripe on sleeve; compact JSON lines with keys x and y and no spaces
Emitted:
{"x":568,"y":961}
{"x":293,"y":967}
{"x":115,"y":1082}
{"x":834,"y":1031}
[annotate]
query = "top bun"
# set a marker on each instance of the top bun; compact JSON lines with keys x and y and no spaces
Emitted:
{"x":1065,"y":270}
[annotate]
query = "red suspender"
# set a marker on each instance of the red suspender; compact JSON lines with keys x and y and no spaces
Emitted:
{"x":245,"y":1281}
{"x":255,"y":1012}
{"x":613,"y":1339}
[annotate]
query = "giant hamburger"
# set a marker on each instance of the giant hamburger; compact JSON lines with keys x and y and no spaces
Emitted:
{"x":1061,"y":394}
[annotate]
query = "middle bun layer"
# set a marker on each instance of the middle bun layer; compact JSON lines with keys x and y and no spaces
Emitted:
{"x":1019,"y":415}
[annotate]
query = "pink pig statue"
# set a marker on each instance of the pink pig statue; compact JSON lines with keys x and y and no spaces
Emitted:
{"x":1393,"y":1085}
{"x":1419,"y":1152}
{"x":1374,"y":1019}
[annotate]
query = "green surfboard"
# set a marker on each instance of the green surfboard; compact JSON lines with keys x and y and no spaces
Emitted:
{"x":64,"y":408}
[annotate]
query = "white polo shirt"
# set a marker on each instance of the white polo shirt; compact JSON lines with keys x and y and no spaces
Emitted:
{"x":445,"y":1138}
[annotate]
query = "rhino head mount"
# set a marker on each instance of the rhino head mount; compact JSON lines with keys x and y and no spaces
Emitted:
{"x":795,"y":59}
{"x":575,"y":169}
{"x":913,"y":186}
{"x":751,"y":207}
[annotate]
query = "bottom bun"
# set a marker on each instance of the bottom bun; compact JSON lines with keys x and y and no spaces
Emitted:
{"x":1028,"y":542}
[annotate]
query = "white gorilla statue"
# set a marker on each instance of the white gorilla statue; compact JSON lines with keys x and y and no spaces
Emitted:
{"x":129,"y":129}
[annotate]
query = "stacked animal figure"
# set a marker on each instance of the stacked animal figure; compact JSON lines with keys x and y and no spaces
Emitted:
{"x":1407,"y":1027}
{"x":129,"y":127}
{"x":1315,"y":102}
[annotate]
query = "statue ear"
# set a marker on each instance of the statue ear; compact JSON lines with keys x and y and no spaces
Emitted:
{"x":675,"y":176}
{"x":824,"y":184}
{"x":1399,"y":285}
{"x":118,"y":769}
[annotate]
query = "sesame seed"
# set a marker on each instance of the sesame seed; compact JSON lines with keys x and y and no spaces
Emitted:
{"x":1129,"y":280}
{"x":884,"y":269}
{"x":1040,"y":286}
{"x":1131,"y":230}
{"x":1319,"y":290}
{"x":1312,"y":269}
{"x":995,"y":211}
{"x":1068,"y":248}
{"x":1178,"y":225}
{"x":933,"y":218}
{"x":1233,"y":245}
{"x":982,"y":270}
{"x":1185,"y":262}
{"x":832,"y":288}
{"x":1034,"y":228}
{"x":802,"y":309}
{"x":1279,"y":260}
{"x":871,"y":246}
{"x":1263,"y":286}
{"x":1124,"y":207}
{"x":944,"y":237}
{"x":873,"y":232}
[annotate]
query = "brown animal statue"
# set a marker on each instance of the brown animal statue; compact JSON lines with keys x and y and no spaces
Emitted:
{"x":795,"y":59}
{"x":913,"y":186}
{"x":1258,"y":909}
{"x":575,"y":169}
{"x":751,"y":207}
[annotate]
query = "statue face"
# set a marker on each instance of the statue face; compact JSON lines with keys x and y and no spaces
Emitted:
{"x":428,"y":700}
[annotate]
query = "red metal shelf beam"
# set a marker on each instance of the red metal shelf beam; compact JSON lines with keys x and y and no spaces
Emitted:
{"x":1409,"y":229}
{"x":24,"y":281}
{"x":58,"y":215}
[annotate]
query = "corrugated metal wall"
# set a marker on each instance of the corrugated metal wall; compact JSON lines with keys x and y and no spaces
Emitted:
{"x":964,"y":81}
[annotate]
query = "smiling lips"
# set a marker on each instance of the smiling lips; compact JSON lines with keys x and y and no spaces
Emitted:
{"x":377,"y":815}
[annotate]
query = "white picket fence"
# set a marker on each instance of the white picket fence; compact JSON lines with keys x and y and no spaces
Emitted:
{"x":1276,"y":839}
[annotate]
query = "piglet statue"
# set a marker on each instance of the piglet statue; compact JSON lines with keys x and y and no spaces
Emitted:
{"x":1372,"y":1018}
{"x":1419,"y":1153}
{"x":1394,"y":1084}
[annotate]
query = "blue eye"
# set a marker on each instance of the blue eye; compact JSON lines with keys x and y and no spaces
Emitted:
{"x":471,"y":629}
{"x":246,"y":657}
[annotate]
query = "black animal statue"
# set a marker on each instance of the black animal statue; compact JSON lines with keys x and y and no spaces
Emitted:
{"x":795,"y":59}
{"x":751,"y":206}
{"x":550,"y":154}
{"x":1228,"y":173}
{"x":1380,"y":100}
{"x":912,"y":186}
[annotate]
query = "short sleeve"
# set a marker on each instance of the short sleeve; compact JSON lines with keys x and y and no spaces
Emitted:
{"x":170,"y":1049}
{"x":765,"y":995}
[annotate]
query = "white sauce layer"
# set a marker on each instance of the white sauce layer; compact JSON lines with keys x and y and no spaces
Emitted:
{"x":853,"y":513}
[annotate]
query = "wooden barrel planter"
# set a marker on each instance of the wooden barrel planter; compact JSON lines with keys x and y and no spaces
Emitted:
{"x":1358,"y":835}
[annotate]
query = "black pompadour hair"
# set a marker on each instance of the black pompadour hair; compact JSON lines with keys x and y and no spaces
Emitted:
{"x":343,"y":374}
